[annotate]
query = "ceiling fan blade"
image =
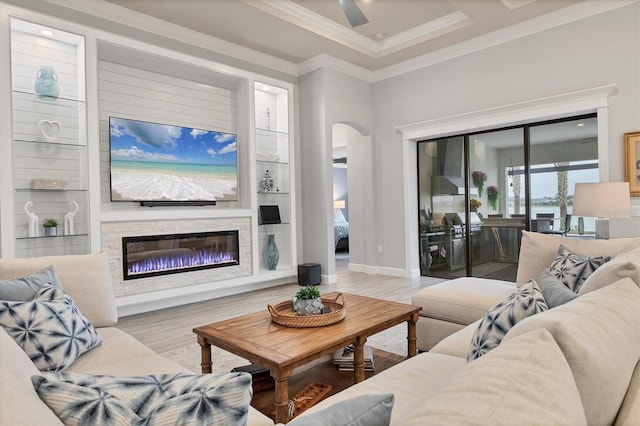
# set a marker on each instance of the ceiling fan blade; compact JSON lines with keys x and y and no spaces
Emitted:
{"x":353,"y":12}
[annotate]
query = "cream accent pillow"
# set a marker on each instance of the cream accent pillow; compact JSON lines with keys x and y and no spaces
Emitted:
{"x":86,"y":278}
{"x":539,"y":250}
{"x":599,"y":335}
{"x":624,"y":265}
{"x":523,"y":381}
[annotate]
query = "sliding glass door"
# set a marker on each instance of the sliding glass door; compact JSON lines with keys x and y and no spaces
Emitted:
{"x":478,"y":191}
{"x":496,"y":165}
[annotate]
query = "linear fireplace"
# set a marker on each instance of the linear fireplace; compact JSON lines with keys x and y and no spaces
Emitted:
{"x":152,"y":255}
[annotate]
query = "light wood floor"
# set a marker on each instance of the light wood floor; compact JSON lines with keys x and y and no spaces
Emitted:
{"x":170,"y":329}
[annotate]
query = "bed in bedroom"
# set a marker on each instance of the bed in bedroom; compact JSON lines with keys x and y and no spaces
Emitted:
{"x":340,"y":230}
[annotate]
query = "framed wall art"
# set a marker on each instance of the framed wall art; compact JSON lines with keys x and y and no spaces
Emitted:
{"x":632,"y":162}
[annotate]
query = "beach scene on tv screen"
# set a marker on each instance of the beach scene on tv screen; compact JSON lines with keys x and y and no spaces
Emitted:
{"x":158,"y":162}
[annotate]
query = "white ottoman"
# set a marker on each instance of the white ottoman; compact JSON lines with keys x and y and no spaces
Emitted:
{"x":450,"y":306}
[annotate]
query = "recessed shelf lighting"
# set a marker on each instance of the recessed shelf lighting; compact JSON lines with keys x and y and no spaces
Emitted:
{"x":266,"y":88}
{"x":46,"y":33}
{"x":580,"y":124}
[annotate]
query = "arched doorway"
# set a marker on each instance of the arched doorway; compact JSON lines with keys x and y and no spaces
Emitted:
{"x":352,"y":153}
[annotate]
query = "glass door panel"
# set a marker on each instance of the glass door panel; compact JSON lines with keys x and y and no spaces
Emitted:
{"x":441,"y":196}
{"x":562,"y":154}
{"x":497,"y":200}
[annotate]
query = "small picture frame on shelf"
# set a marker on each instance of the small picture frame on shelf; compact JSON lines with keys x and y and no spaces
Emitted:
{"x":632,"y":162}
{"x":50,"y":184}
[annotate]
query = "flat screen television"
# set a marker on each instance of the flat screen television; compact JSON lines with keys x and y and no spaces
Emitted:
{"x":161,"y":164}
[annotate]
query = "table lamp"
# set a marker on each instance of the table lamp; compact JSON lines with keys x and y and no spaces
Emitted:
{"x":602,"y":200}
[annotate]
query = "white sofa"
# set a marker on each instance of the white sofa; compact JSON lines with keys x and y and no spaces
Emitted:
{"x":577,"y":363}
{"x":87,"y":279}
{"x":573,"y":364}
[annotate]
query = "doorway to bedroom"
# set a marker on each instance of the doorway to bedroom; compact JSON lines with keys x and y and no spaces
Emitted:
{"x":340,"y":199}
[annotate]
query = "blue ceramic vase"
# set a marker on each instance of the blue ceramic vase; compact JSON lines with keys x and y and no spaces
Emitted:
{"x":271,"y":253}
{"x":47,"y":82}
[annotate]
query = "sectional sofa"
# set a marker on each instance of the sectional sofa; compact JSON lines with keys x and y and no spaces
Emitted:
{"x":87,"y":279}
{"x":576,"y":363}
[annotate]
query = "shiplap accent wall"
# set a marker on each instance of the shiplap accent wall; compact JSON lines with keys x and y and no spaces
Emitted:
{"x":138,"y":94}
{"x":128,"y":92}
{"x":64,"y":158}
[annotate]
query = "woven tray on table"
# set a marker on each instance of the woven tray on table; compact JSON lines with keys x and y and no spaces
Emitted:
{"x":283,"y":315}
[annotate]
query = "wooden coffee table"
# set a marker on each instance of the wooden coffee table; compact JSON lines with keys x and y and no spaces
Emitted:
{"x":281,"y":349}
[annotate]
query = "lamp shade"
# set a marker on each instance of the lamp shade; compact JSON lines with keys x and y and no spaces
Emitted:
{"x":602,"y":199}
{"x":338,"y":204}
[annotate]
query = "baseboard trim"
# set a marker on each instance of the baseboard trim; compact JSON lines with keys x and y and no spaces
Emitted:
{"x":147,"y":302}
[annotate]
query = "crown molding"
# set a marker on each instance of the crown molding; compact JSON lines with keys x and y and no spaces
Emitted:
{"x":327,"y":61}
{"x":150,"y":24}
{"x":541,"y":23}
{"x":318,"y":24}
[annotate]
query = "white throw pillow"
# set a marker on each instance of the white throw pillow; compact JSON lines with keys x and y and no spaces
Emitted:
{"x":624,"y":265}
{"x":538,"y":250}
{"x":523,"y":381}
{"x":49,"y":328}
{"x":599,"y":335}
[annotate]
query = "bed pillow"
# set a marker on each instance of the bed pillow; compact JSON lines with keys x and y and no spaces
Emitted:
{"x":338,"y":216}
{"x":49,"y":328}
{"x":553,"y":290}
{"x":573,"y":268}
{"x":203,"y":399}
{"x":26,"y":288}
{"x":527,"y":301}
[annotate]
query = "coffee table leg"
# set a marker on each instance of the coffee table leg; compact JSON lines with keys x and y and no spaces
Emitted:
{"x":281,"y":379}
{"x":358,"y":358}
{"x":411,"y":336}
{"x":205,"y":363}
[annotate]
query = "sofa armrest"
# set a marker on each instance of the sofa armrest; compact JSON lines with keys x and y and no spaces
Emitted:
{"x":86,"y":278}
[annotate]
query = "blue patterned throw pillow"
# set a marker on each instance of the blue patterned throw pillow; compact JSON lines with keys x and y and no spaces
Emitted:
{"x":168,"y":399}
{"x":527,"y":301}
{"x":573,"y":269}
{"x":49,"y":328}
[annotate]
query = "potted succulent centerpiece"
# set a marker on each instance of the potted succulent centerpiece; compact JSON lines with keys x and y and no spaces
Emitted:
{"x":50,"y":227}
{"x":307,"y":301}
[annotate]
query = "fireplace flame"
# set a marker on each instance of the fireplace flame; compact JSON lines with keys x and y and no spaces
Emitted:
{"x":193,"y":259}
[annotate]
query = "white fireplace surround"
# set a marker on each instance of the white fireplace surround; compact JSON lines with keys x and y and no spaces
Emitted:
{"x":190,"y":285}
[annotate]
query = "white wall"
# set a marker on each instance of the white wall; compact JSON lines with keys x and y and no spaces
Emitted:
{"x":328,"y":97}
{"x":596,"y":51}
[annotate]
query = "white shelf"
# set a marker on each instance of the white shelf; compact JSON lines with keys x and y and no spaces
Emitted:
{"x":272,"y":155}
{"x":49,"y":142}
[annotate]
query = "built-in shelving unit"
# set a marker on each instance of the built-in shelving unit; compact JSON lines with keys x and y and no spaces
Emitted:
{"x":56,"y":153}
{"x":49,"y":142}
{"x":273,"y":162}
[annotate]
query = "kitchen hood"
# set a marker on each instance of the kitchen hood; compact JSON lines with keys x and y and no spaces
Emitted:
{"x":449,"y":185}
